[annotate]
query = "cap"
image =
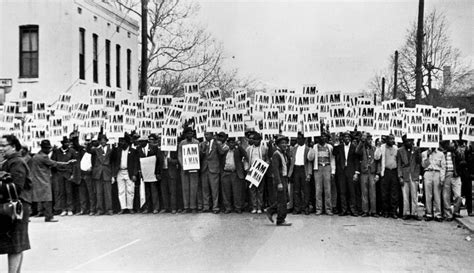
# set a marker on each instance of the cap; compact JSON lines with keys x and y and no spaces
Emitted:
{"x":45,"y":144}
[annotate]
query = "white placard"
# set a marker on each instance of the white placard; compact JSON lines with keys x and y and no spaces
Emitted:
{"x":256,"y":172}
{"x":190,"y":157}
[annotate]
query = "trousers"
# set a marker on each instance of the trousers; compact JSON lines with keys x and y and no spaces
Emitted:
{"x":432,"y":193}
{"x":63,"y":193}
{"x":279,"y":206}
{"x":410,"y":197}
{"x":256,"y":196}
{"x":301,"y":189}
{"x":322,"y":179}
{"x":231,"y":190}
{"x":210,"y":190}
{"x":346,"y":187}
{"x":390,"y":190}
{"x":368,"y":194}
{"x":87,"y":195}
{"x":452,"y":185}
{"x":152,"y":201}
{"x":104,"y":195}
{"x":190,"y":182}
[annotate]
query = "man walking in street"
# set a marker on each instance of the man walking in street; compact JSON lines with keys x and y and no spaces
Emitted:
{"x":408,"y":167}
{"x":280,"y":179}
{"x":254,"y":152}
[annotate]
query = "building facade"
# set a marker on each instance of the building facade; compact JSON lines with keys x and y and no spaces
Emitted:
{"x":51,"y":47}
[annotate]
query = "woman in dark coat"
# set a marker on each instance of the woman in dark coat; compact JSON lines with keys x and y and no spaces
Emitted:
{"x":14,"y":234}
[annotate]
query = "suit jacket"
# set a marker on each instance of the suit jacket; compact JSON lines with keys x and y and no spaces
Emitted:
{"x":153,"y":151}
{"x":239,"y":156}
{"x":211,"y":160}
{"x":307,"y":163}
{"x":409,"y":164}
{"x":367,"y":166}
{"x":67,"y":170}
{"x":102,"y":163}
{"x":277,"y":168}
{"x":133,"y":162}
{"x":353,"y":160}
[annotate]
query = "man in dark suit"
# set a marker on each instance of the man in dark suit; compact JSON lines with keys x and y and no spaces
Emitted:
{"x":347,"y":164}
{"x":233,"y":175}
{"x":211,"y":151}
{"x":280,"y":164}
{"x":102,"y":175}
{"x":125,"y":170}
{"x":300,"y":173}
{"x":151,"y":187}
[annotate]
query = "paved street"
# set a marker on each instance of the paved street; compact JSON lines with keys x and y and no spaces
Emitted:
{"x":241,"y":243}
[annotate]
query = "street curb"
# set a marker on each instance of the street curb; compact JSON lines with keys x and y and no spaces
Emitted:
{"x":465,"y":224}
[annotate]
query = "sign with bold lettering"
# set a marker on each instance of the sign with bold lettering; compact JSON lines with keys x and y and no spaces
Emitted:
{"x":214,"y":120}
{"x":191,"y":88}
{"x":236,"y":124}
{"x":213,"y":94}
{"x":430,"y":137}
{"x":256,"y":172}
{"x":337,"y":122}
{"x":190,"y":157}
{"x":396,"y":126}
{"x":366,"y":117}
{"x":468,"y":128}
{"x":311,"y":125}
{"x":414,"y":125}
{"x":382,"y":122}
{"x":290,"y":124}
{"x":169,"y":139}
{"x":449,"y":124}
{"x":270,"y":122}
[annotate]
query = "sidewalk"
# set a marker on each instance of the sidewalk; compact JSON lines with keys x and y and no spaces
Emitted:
{"x":466,"y":221}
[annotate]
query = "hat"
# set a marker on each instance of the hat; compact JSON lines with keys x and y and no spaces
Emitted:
{"x":65,"y":140}
{"x":280,"y":138}
{"x":88,"y":137}
{"x":103,"y":137}
{"x":231,"y":139}
{"x":45,"y":144}
{"x":222,"y":134}
{"x":187,"y":130}
{"x":346,"y":133}
{"x":257,"y":136}
{"x":154,"y":136}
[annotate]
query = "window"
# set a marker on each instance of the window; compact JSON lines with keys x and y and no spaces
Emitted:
{"x":129,"y":68}
{"x":107,"y":62}
{"x":79,"y":10}
{"x":95,"y":58}
{"x":117,"y":68}
{"x":82,"y":53}
{"x":29,"y":51}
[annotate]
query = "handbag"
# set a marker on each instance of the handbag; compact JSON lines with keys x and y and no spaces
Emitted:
{"x":13,"y":208}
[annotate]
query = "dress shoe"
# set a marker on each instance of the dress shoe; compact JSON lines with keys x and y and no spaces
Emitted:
{"x":194,"y":211}
{"x":375,"y":215}
{"x":121,"y":212}
{"x":417,"y":218}
{"x":155,"y":211}
{"x":342,"y":213}
{"x":470,"y":214}
{"x":99,"y":213}
{"x":284,"y":224}
{"x":386,"y":215}
{"x":253,"y":211}
{"x":161,"y":211}
{"x":206,"y":210}
{"x":51,"y":220}
{"x":39,"y":214}
{"x":227,"y":211}
{"x":457,"y":215}
{"x":145,"y":212}
{"x":438,"y":219}
{"x":259,"y":211}
{"x":269,"y":216}
{"x":110,"y":212}
{"x":81,"y":213}
{"x":329,"y":213}
{"x":365,"y":214}
{"x":449,"y":219}
{"x":91,"y":213}
{"x":394,"y":216}
{"x":318,"y":213}
{"x":69,"y":213}
{"x":354,"y":214}
{"x":239,"y":211}
{"x":64,"y":213}
{"x":306,"y":211}
{"x":173,"y":211}
{"x":215,"y":211}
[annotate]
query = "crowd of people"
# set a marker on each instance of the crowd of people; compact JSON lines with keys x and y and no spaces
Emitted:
{"x":346,"y":174}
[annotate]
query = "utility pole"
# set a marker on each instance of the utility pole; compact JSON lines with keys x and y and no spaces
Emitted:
{"x":419,"y":52}
{"x":144,"y":61}
{"x":383,"y":89}
{"x":395,"y":75}
{"x":375,"y":99}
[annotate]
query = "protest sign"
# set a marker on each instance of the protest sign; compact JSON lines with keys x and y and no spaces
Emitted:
{"x":393,"y":105}
{"x":144,"y":126}
{"x":190,"y":88}
{"x":214,"y":120}
{"x":191,"y":103}
{"x":97,"y":97}
{"x":290,"y":124}
{"x":201,"y":124}
{"x":164,"y":100}
{"x":236,"y":124}
{"x":382,"y":121}
{"x":115,"y":125}
{"x":169,"y":138}
{"x":110,"y":99}
{"x":396,"y":126}
{"x":351,"y":120}
{"x":130,"y":115}
{"x":428,"y":112}
{"x":468,"y":128}
{"x":154,"y":91}
{"x":213,"y":94}
{"x":190,"y":154}
{"x":365,"y":117}
{"x":311,"y":125}
{"x":256,"y":172}
{"x":271,"y":123}
{"x":147,"y":167}
{"x":158,"y":117}
{"x":337,"y":121}
{"x":430,"y":137}
{"x":278,"y":100}
{"x":173,"y":116}
{"x":310,"y":89}
{"x":261,"y":102}
{"x":414,"y":125}
{"x":449,"y":124}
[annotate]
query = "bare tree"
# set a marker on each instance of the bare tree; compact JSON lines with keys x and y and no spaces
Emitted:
{"x":374,"y":86}
{"x":438,"y":54}
{"x":179,"y":50}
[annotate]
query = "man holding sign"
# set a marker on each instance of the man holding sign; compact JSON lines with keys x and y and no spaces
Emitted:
{"x":188,"y":157}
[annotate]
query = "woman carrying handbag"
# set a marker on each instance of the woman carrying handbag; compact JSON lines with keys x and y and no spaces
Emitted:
{"x":14,"y":227}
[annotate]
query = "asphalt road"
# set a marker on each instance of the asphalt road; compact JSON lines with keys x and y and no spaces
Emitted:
{"x":242,"y":243}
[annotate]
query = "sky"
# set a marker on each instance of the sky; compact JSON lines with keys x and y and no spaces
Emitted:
{"x":337,"y":45}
